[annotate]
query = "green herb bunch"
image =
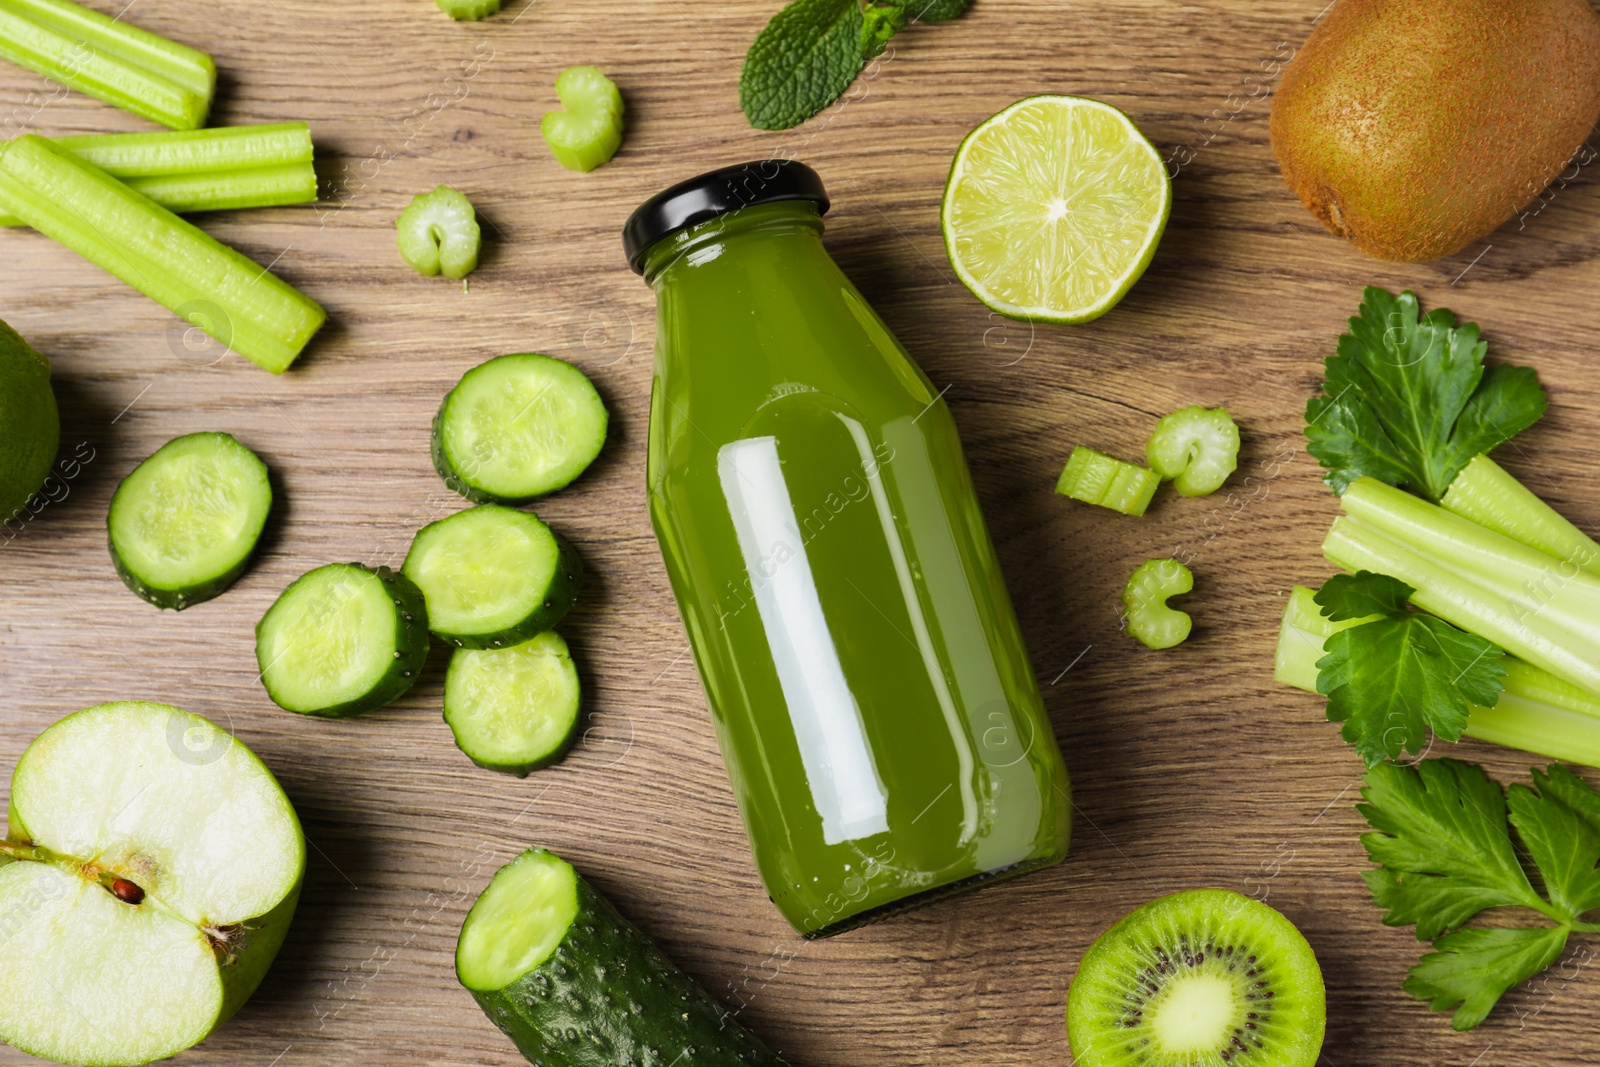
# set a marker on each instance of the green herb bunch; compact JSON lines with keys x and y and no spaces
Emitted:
{"x":813,"y":49}
{"x":1446,"y":838}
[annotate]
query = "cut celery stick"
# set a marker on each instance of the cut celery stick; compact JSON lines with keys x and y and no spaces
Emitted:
{"x":227,"y":190}
{"x":163,"y":152}
{"x":1096,"y":478}
{"x":588,"y":130}
{"x":109,"y":59}
{"x":124,"y":232}
{"x":438,"y":232}
{"x":1150,"y":619}
{"x":216,"y":169}
{"x":1486,"y":494}
{"x":1532,"y":605}
{"x":1196,"y":449}
{"x":1537,"y":712}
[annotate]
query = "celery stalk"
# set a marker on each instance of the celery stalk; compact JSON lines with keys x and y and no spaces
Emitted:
{"x":124,"y":232}
{"x":1537,"y":712}
{"x":226,"y":190}
{"x":162,"y":152}
{"x":1485,"y":493}
{"x":1532,"y":605}
{"x":216,"y":169}
{"x":110,"y":60}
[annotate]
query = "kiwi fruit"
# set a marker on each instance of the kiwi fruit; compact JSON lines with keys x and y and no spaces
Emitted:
{"x":1203,"y":978}
{"x":1416,"y":127}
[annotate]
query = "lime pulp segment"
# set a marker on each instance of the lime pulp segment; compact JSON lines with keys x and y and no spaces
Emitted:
{"x":1054,"y":208}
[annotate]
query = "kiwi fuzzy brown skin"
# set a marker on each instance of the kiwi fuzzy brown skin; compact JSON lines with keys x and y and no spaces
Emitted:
{"x":1415,"y":127}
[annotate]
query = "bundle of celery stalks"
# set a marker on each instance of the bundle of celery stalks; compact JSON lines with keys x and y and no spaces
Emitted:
{"x":115,"y":198}
{"x":1506,"y":644}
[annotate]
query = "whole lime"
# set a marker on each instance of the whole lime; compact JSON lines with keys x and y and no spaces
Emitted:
{"x":30,"y":427}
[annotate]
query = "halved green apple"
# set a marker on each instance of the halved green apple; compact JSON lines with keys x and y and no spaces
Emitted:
{"x":150,"y":872}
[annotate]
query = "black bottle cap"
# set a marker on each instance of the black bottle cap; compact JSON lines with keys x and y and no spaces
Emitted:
{"x":764,"y":181}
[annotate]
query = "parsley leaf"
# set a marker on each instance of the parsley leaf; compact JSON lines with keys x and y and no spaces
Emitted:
{"x":1443,"y":843}
{"x":1392,"y":678}
{"x":801,"y":62}
{"x":1562,"y":843}
{"x":1407,"y":399}
{"x":1355,"y":596}
{"x":1474,"y":968}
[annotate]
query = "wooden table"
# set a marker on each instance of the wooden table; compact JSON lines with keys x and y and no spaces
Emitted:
{"x":1190,"y":767}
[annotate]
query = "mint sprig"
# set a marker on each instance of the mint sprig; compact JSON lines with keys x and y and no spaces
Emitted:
{"x":812,"y":50}
{"x":1443,"y":842}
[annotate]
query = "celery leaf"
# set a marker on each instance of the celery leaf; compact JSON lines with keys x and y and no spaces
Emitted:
{"x":1442,"y":839}
{"x":1407,"y":399}
{"x":1474,"y":968}
{"x":1391,"y":679}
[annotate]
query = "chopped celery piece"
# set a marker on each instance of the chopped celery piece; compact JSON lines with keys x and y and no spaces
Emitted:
{"x":1195,"y":449}
{"x":1537,"y":712}
{"x":588,"y":131}
{"x":468,"y":10}
{"x":227,"y":190}
{"x":164,"y":152}
{"x":109,"y":59}
{"x":1095,"y":478}
{"x":124,"y":232}
{"x":216,"y":169}
{"x":1541,"y":609}
{"x":1485,"y":493}
{"x":438,"y":233}
{"x":1150,"y":619}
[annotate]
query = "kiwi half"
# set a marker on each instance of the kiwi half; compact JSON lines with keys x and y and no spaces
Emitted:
{"x":1204,"y":978}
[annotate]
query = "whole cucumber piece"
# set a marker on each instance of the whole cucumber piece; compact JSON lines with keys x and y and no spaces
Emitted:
{"x":574,"y":984}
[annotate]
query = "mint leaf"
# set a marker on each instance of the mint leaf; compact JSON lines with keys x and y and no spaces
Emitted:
{"x":879,"y":23}
{"x":1393,"y":678}
{"x":935,"y":10}
{"x":801,"y":62}
{"x":1474,"y":968}
{"x":1562,"y":843}
{"x":1406,"y":398}
{"x":1355,"y":596}
{"x":1443,"y":843}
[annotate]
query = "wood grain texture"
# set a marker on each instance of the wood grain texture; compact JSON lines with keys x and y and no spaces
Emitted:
{"x":1190,"y":767}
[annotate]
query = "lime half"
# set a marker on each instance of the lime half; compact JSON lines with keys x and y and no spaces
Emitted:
{"x":1053,"y":208}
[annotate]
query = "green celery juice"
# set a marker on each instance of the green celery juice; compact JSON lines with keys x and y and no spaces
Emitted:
{"x":874,"y":702}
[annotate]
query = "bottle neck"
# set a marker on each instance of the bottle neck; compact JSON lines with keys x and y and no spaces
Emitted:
{"x":710,"y":240}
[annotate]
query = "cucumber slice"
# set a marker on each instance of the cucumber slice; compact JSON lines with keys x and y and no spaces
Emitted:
{"x":513,"y":709}
{"x":185,"y":522}
{"x":574,"y":984}
{"x":493,"y":576}
{"x":516,"y":428}
{"x":342,"y":639}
